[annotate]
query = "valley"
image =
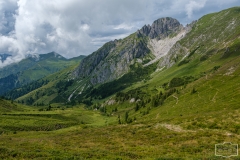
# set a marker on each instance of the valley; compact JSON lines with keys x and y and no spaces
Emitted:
{"x":164,"y":92}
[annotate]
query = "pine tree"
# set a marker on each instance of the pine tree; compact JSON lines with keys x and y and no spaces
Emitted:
{"x":119,"y":119}
{"x":126,"y":117}
{"x":137,"y":107}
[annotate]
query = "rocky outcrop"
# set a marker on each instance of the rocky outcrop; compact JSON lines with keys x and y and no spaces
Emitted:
{"x":177,"y":50}
{"x":112,"y":60}
{"x":174,"y":53}
{"x":89,"y":63}
{"x":161,"y":28}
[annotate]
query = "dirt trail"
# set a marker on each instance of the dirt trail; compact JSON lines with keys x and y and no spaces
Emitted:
{"x":176,"y":99}
{"x":172,"y":127}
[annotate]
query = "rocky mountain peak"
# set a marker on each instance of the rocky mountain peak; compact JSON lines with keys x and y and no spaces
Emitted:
{"x":160,"y":28}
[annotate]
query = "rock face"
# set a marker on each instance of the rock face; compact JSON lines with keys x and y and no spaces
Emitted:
{"x":161,"y":28}
{"x":112,"y":60}
{"x":115,"y":58}
{"x":177,"y":50}
{"x":92,"y":61}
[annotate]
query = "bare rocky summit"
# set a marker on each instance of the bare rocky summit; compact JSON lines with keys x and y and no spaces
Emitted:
{"x":161,"y":28}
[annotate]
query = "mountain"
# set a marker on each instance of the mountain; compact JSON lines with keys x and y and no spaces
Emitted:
{"x":32,"y":68}
{"x":142,"y":58}
{"x":117,"y":58}
{"x":114,"y":59}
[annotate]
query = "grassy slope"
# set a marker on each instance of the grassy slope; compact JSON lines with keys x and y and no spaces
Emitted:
{"x":6,"y":106}
{"x":50,"y":87}
{"x":45,"y":68}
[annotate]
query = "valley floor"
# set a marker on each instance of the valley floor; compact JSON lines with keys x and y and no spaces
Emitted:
{"x":96,"y":136}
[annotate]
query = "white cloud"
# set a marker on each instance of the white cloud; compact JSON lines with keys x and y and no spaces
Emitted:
{"x":7,"y":17}
{"x":123,"y":26}
{"x":193,"y":6}
{"x":85,"y":27}
{"x":10,"y":60}
{"x":8,"y":44}
{"x":75,"y":27}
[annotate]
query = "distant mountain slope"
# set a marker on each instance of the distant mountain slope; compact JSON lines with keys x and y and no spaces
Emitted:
{"x":31,"y":61}
{"x":45,"y":90}
{"x":32,"y":68}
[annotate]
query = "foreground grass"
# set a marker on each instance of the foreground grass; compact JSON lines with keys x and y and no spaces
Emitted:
{"x":91,"y":135}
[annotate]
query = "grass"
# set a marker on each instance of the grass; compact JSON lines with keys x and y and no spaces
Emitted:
{"x":140,"y":140}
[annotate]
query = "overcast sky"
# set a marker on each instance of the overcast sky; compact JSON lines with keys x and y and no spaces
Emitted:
{"x":79,"y":27}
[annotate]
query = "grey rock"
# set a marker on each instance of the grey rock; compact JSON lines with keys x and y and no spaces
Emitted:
{"x":161,"y":28}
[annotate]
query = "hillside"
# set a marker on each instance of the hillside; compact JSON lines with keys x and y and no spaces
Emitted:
{"x":33,"y":68}
{"x":7,"y":106}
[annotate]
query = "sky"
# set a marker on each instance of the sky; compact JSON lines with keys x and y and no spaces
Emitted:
{"x":79,"y":27}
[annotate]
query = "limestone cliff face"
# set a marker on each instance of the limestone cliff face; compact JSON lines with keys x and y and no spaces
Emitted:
{"x":114,"y":59}
{"x":89,"y":63}
{"x":161,"y":28}
{"x":177,"y":50}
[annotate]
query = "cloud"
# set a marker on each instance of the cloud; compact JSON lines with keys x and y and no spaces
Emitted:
{"x":10,"y":60}
{"x":192,"y":6}
{"x":79,"y":27}
{"x":7,"y":16}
